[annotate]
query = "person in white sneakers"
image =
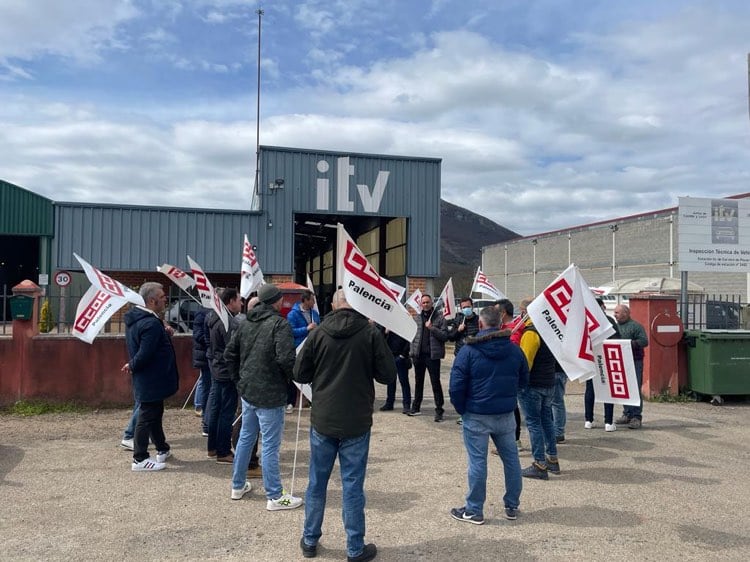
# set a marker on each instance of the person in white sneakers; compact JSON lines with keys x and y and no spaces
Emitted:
{"x":260,"y":359}
{"x":588,"y":398}
{"x":153,"y":366}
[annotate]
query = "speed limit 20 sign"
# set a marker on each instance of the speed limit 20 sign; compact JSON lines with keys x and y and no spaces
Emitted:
{"x":62,"y":278}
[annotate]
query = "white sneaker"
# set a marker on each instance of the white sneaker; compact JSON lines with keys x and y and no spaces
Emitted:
{"x":610,"y":427}
{"x":148,"y":465}
{"x":237,"y":494}
{"x":287,"y":501}
{"x":162,"y":456}
{"x":588,"y":425}
{"x":289,"y":408}
{"x":127,"y":444}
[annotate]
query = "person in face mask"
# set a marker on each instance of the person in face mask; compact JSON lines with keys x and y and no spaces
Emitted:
{"x":465,"y":324}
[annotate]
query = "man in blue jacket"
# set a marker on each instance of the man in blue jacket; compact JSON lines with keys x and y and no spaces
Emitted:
{"x":484,"y":383}
{"x":153,"y":366}
{"x":303,"y":318}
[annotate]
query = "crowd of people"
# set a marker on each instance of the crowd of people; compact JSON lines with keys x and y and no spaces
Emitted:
{"x":250,"y":366}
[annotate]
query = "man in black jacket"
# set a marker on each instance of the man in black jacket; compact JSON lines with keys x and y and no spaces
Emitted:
{"x":341,"y":359}
{"x":222,"y":401}
{"x":153,"y":366}
{"x":427,"y":349}
{"x":464,"y":325}
{"x":400,"y":349}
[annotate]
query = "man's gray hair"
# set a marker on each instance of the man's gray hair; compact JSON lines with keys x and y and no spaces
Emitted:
{"x":339,"y":300}
{"x":490,"y":316}
{"x":149,"y":290}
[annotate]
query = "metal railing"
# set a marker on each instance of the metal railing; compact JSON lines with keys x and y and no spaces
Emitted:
{"x":715,"y":312}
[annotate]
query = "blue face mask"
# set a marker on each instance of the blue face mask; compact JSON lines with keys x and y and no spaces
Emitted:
{"x":467,"y":311}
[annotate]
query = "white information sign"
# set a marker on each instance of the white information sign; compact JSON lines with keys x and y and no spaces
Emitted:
{"x":714,"y":235}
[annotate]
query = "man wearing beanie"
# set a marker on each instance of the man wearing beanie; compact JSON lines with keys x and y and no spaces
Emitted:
{"x":260,"y":357}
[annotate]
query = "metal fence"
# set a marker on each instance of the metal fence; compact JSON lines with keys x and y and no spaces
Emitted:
{"x":61,"y":310}
{"x":715,"y":312}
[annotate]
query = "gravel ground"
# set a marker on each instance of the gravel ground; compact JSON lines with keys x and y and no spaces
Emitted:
{"x":676,"y":489}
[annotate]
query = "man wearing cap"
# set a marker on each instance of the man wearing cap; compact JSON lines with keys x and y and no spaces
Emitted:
{"x":260,"y":357}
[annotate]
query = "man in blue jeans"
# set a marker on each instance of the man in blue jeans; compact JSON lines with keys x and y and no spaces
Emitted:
{"x":484,"y":383}
{"x":559,"y":415}
{"x":536,"y":403}
{"x":260,"y":357}
{"x":341,"y":360}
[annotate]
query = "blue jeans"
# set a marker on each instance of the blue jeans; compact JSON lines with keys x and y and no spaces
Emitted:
{"x":130,"y":429}
{"x":202,"y":389}
{"x":352,"y":455}
{"x":403,"y":379}
{"x":501,"y":428}
{"x":270,"y":421}
{"x":558,"y":403}
{"x":536,"y":403}
{"x":636,"y":411}
{"x":222,"y":403}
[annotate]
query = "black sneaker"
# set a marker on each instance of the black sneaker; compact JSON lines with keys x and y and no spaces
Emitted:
{"x":511,"y":513}
{"x":414,"y":413}
{"x":438,"y":417}
{"x":535,"y":471}
{"x":368,"y":553}
{"x":307,"y":550}
{"x":406,"y":410}
{"x":386,"y":407}
{"x":459,"y":514}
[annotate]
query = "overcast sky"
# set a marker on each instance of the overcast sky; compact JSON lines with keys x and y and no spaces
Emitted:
{"x":546,"y":114}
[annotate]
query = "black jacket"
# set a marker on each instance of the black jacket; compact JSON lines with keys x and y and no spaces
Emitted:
{"x":219,"y":338}
{"x":341,"y":359}
{"x":200,"y":339}
{"x":471,"y":328}
{"x":438,"y":335}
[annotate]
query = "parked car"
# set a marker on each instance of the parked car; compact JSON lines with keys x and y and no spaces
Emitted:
{"x":181,"y":313}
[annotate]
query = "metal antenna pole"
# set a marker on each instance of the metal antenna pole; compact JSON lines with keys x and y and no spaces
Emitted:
{"x":257,"y":117}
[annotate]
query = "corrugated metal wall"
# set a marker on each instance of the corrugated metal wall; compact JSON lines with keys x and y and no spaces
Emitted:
{"x":140,"y":238}
{"x":412,"y":191}
{"x":24,"y":213}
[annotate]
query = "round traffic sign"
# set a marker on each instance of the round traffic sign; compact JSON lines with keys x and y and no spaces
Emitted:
{"x":62,"y":278}
{"x":666,"y":329}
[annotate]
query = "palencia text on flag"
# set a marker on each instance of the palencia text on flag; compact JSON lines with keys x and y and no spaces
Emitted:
{"x":177,"y":276}
{"x":207,"y":294}
{"x":449,"y":300}
{"x":483,"y":285}
{"x":251,"y":276}
{"x":94,"y":309}
{"x":415,"y":301}
{"x":105,"y":283}
{"x":365,"y":291}
{"x":615,"y":381}
{"x":570,"y":322}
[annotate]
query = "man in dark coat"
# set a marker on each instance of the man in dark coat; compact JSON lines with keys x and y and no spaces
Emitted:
{"x":222,"y":401}
{"x":341,"y":360}
{"x":427,"y":349}
{"x":485,"y":379}
{"x":260,"y":357}
{"x":200,"y":362}
{"x":153,"y":366}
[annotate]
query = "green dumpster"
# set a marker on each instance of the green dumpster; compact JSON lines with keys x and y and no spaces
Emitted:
{"x":21,"y":307}
{"x":719,"y":361}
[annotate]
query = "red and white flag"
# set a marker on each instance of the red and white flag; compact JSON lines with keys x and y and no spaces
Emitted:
{"x":207,"y":294}
{"x":415,"y":301}
{"x":483,"y":285}
{"x":95,"y":308}
{"x":177,"y":276}
{"x":449,"y":300}
{"x":251,"y":277}
{"x":311,"y":288}
{"x":570,"y":322}
{"x":105,"y":283}
{"x":615,"y":381}
{"x":365,"y":291}
{"x":397,"y":290}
